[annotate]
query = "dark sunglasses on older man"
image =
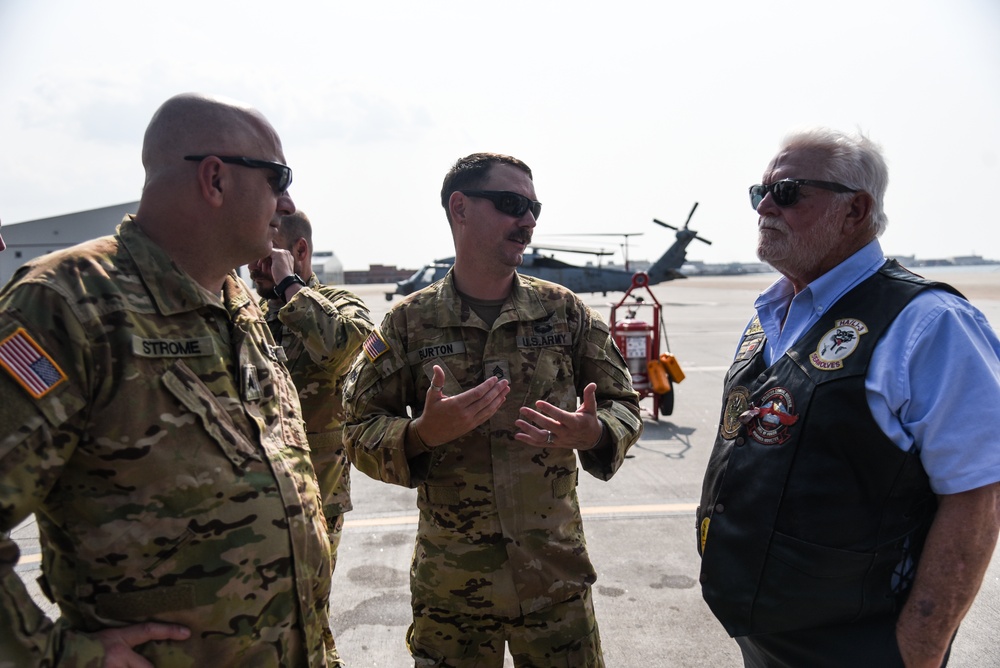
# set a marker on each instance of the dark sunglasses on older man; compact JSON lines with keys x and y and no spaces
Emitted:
{"x":786,"y":191}
{"x":283,"y":172}
{"x":507,"y":202}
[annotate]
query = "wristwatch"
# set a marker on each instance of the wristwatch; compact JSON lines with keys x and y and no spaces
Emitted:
{"x":287,"y":282}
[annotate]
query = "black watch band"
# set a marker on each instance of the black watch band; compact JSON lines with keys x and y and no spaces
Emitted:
{"x":286,"y":282}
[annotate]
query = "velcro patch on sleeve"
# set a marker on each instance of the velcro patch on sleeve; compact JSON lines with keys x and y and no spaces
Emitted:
{"x":29,"y":364}
{"x":375,"y":346}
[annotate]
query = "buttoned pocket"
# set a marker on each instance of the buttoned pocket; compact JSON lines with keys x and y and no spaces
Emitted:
{"x":188,"y":389}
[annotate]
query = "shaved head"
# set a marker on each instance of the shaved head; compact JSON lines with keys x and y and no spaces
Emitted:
{"x":191,"y":123}
{"x":211,"y":214}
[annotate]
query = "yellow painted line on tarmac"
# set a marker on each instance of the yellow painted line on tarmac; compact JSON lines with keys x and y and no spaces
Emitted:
{"x":648,"y":509}
{"x":381,"y":521}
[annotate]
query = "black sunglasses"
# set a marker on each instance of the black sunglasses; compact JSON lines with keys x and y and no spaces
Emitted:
{"x":283,"y":172}
{"x":507,"y":202}
{"x":786,"y":191}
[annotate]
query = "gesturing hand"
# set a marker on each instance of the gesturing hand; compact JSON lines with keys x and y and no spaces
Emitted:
{"x":552,"y":427}
{"x":446,"y":418}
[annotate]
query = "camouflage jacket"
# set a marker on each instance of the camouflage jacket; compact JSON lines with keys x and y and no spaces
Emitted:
{"x":158,"y":441}
{"x":500,"y":530}
{"x":322,"y":328}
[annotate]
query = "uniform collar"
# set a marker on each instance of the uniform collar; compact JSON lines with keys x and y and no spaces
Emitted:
{"x":523,"y":303}
{"x":170,"y":288}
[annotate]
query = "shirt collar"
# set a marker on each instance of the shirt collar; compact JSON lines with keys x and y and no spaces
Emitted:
{"x":828,"y":288}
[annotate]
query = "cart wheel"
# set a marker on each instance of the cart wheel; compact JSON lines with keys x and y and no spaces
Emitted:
{"x":666,"y":401}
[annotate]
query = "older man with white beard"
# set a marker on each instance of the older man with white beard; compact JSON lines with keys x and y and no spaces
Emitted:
{"x":850,"y":506}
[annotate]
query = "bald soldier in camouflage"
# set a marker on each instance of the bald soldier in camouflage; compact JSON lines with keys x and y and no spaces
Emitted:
{"x":321,"y":328}
{"x":470,"y":392}
{"x":150,"y":427}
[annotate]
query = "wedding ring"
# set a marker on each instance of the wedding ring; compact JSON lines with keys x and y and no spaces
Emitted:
{"x":439,"y":388}
{"x":548,"y":436}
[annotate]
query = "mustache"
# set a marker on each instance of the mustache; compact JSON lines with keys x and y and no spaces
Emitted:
{"x":522,"y":236}
{"x":771,"y":223}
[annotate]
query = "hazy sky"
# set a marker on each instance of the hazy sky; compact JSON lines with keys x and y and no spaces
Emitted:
{"x":625,"y":111}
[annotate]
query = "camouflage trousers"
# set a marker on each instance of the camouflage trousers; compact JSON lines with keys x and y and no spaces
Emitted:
{"x":334,"y":526}
{"x":564,"y":635}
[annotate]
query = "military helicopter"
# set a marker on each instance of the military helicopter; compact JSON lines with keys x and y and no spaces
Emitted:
{"x":576,"y":278}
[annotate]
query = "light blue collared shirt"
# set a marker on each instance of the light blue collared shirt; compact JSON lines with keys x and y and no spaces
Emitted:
{"x":934,"y":377}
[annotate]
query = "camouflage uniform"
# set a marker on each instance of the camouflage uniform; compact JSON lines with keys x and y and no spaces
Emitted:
{"x":500,"y":531}
{"x":321,"y":329}
{"x":161,"y":448}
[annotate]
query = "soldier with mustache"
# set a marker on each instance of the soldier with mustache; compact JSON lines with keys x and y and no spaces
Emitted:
{"x":479,"y":391}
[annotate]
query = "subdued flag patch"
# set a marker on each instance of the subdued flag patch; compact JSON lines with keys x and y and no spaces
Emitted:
{"x":375,"y":346}
{"x":29,"y":364}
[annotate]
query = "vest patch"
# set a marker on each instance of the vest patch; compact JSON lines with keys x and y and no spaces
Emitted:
{"x":753,"y":328}
{"x":838,"y":344}
{"x":439,"y":350}
{"x":748,"y":347}
{"x":775,"y":415}
{"x":173,"y":347}
{"x":737,"y":403}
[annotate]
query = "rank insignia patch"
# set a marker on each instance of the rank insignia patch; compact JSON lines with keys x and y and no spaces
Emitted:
{"x":30,"y":366}
{"x":837,"y":344}
{"x":375,"y":346}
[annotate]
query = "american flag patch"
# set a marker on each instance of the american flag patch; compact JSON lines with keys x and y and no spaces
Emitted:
{"x":375,"y":346}
{"x":30,"y":366}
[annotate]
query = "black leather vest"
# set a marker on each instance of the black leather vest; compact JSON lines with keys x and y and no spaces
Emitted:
{"x":810,"y":516}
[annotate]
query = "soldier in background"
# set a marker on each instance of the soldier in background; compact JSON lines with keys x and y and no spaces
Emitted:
{"x":151,"y":428}
{"x":469,"y":391}
{"x":320,"y":328}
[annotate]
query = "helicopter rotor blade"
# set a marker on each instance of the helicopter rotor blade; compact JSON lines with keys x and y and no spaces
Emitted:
{"x":660,"y":222}
{"x":690,"y":214}
{"x":566,"y":249}
{"x":596,"y":234}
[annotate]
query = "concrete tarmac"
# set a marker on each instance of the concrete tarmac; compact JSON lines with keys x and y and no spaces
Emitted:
{"x":640,"y":525}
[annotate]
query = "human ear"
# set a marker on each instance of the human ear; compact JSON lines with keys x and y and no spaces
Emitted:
{"x":210,"y":177}
{"x":456,"y":207}
{"x":859,"y":211}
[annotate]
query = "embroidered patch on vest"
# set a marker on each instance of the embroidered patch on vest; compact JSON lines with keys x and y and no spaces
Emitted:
{"x":775,"y":415}
{"x":737,"y":402}
{"x":752,"y":337}
{"x":753,"y":328}
{"x":837,"y":344}
{"x":748,"y":347}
